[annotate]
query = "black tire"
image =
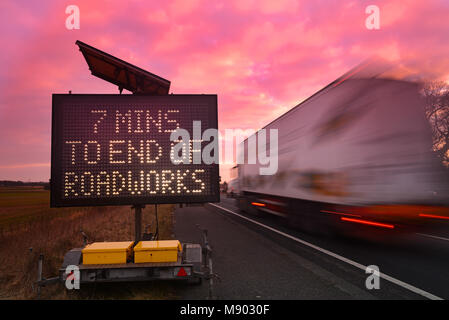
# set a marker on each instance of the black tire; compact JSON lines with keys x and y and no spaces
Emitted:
{"x":305,"y":216}
{"x":195,"y":281}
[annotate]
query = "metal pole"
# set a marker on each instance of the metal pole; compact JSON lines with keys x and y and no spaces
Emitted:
{"x":39,"y":274}
{"x":157,"y":223}
{"x":138,"y":222}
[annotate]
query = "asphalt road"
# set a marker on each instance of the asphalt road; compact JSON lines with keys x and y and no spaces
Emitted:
{"x":255,"y":262}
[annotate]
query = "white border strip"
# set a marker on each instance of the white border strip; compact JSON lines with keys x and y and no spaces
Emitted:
{"x":337,"y":256}
{"x":434,"y":237}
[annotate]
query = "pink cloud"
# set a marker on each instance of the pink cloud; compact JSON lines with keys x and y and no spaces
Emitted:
{"x":260,"y":57}
{"x":266,"y":6}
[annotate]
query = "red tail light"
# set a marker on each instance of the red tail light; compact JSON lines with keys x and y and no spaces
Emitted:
{"x":371,"y":223}
{"x":341,"y":213}
{"x":258,"y":204}
{"x":433,"y":216}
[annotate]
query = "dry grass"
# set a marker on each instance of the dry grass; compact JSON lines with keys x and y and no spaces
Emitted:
{"x":26,"y":221}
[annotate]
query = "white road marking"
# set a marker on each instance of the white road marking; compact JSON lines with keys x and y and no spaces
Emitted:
{"x":435,"y":237}
{"x":337,"y":256}
{"x":280,"y":214}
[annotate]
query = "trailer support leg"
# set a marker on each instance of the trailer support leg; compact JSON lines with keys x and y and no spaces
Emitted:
{"x":138,"y":222}
{"x":39,"y":274}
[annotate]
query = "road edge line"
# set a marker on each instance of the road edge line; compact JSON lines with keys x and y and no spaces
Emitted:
{"x":384,"y":276}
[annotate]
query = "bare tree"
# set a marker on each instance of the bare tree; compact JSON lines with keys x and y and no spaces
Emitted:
{"x":437,"y":112}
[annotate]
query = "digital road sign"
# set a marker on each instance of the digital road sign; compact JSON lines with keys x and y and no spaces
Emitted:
{"x":125,"y":149}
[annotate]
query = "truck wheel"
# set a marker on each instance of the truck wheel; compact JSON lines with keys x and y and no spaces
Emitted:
{"x":302,"y":216}
{"x":252,"y":210}
{"x":294,"y":221}
{"x":241,"y":204}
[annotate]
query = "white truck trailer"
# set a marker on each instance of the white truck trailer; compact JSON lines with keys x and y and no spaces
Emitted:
{"x":359,"y":151}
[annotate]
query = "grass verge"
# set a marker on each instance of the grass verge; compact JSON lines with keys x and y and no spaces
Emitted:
{"x":28,"y":228}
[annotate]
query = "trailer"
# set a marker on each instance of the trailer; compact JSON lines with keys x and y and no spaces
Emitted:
{"x":357,"y":151}
{"x":193,"y":264}
{"x":146,"y":258}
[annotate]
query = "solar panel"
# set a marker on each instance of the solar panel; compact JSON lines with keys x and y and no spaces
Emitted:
{"x":121,"y":73}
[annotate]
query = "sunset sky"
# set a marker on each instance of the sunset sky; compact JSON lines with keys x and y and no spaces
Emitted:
{"x":260,"y":57}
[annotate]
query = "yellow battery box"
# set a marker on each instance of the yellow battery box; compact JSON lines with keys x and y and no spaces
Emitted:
{"x":107,"y":252}
{"x":157,"y":251}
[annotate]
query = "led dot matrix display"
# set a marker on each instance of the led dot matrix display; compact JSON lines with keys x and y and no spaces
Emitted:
{"x":116,"y":150}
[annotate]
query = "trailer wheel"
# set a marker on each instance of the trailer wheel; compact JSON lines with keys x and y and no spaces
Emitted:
{"x":294,"y":221}
{"x":195,"y":281}
{"x":241,"y":204}
{"x":306,"y":217}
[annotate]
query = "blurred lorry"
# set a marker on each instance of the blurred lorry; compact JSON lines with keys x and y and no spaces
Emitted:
{"x":233,"y":188}
{"x":359,"y":151}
